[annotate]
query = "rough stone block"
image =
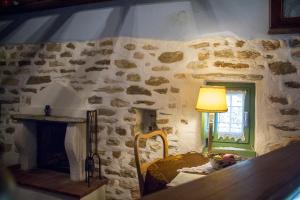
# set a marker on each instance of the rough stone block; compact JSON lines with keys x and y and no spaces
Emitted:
{"x":196,"y":65}
{"x":77,"y":62}
{"x":148,"y":103}
{"x":121,"y":131}
{"x":39,"y":62}
{"x":290,"y":111}
{"x":106,"y":43}
{"x":130,"y":46}
{"x":296,"y":55}
{"x":231,"y":65}
{"x":56,"y":47}
{"x":63,"y":71}
{"x":133,"y":77}
{"x":161,"y":68}
{"x":149,"y":47}
{"x":285,"y":128}
{"x":270,"y":45}
{"x":282,"y":68}
{"x":203,"y":56}
{"x":95,"y":100}
{"x":31,"y":90}
{"x":24,"y":63}
{"x":240,"y":43}
{"x":70,"y":46}
{"x":110,"y":89}
{"x":56,"y":64}
{"x":105,"y":52}
{"x":294,"y":43}
{"x":292,"y":84}
{"x":171,"y":57}
{"x":66,"y":54}
{"x":33,"y":80}
{"x":137,"y":90}
{"x":95,"y":69}
{"x":226,"y":53}
{"x":174,"y":90}
{"x":10,"y":130}
{"x":200,"y":45}
{"x":46,"y":56}
{"x":161,"y":90}
{"x":156,"y":81}
{"x":119,"y":103}
{"x":125,"y":64}
{"x":280,"y":100}
{"x":138,"y":55}
{"x":180,"y":76}
{"x":103,"y":62}
{"x":248,"y":54}
{"x":27,"y":54}
{"x":9,"y":81}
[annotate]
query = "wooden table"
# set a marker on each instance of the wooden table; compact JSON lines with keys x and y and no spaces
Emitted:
{"x":272,"y":176}
{"x":162,"y":172}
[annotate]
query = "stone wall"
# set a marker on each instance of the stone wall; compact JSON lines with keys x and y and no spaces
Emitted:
{"x":122,"y":76}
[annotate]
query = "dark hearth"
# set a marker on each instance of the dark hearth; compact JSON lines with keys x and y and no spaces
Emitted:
{"x":55,"y":182}
{"x":51,"y":153}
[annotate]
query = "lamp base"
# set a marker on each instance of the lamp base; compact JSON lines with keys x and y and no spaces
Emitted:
{"x":210,"y":132}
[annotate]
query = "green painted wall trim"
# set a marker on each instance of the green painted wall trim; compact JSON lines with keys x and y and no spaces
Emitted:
{"x":245,"y":148}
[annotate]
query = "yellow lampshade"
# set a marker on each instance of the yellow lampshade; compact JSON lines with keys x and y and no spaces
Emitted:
{"x":212,"y":99}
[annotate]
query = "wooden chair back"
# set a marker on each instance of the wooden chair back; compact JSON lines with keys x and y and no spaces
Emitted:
{"x":142,"y":167}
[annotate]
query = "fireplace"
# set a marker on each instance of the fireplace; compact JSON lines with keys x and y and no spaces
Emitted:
{"x":56,"y":142}
{"x":51,"y":153}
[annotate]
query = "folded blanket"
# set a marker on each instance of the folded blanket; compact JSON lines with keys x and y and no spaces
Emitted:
{"x":202,"y":169}
{"x":183,"y":178}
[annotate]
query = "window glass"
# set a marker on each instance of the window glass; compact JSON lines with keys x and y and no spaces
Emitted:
{"x":230,"y":125}
{"x":291,"y":8}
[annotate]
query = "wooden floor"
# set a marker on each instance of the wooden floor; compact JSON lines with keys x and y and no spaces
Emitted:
{"x":56,"y":182}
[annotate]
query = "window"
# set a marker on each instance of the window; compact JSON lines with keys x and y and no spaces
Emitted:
{"x":230,"y":125}
{"x":284,"y":16}
{"x":234,"y":130}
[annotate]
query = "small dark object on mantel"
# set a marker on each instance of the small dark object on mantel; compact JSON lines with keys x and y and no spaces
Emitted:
{"x":47,"y":110}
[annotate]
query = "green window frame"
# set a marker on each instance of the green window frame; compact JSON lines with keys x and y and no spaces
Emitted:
{"x":246,"y":147}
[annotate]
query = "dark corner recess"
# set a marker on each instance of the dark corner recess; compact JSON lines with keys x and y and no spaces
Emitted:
{"x":21,"y":6}
{"x":280,"y":22}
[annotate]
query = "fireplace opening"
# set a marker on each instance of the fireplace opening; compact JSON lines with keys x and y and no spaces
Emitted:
{"x":51,"y":153}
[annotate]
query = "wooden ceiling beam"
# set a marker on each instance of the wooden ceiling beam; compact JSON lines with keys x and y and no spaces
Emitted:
{"x":38,"y":5}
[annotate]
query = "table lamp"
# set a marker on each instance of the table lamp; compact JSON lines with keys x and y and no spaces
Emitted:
{"x":211,"y":99}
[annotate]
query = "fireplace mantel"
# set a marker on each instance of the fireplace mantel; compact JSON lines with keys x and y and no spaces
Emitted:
{"x":48,"y":118}
{"x":75,"y":141}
